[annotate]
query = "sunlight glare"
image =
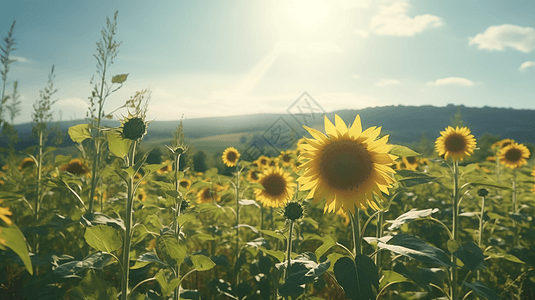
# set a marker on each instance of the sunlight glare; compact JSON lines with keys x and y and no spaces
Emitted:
{"x":308,"y":14}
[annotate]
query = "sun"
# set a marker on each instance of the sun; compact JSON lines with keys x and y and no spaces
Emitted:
{"x":308,"y":14}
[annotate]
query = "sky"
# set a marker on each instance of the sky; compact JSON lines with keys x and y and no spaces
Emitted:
{"x":226,"y":58}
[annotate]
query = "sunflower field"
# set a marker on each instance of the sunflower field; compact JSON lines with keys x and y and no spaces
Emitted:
{"x":343,"y":214}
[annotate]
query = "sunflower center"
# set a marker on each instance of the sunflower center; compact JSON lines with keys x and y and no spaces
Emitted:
{"x":286,"y":158}
{"x":231,"y":156}
{"x":184,"y":184}
{"x":274,"y":184}
{"x":254,"y":176}
{"x":206,"y":194}
{"x":411,"y":159}
{"x":345,"y":165}
{"x":513,"y":155}
{"x":455,"y":143}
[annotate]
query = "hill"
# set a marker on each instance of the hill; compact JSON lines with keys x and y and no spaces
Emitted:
{"x":404,"y":124}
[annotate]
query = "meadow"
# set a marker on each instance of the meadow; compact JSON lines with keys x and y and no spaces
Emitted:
{"x":341,"y":214}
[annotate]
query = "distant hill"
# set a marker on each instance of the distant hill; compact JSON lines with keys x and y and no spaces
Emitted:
{"x":405,"y":124}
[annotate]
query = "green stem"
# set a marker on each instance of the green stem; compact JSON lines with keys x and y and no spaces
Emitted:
{"x":380,"y":220}
{"x":289,"y":251}
{"x":481,"y":228}
{"x":38,"y":185}
{"x":355,"y":226}
{"x":128,"y":226}
{"x":455,"y":231}
{"x":177,"y":228}
{"x":237,"y":195}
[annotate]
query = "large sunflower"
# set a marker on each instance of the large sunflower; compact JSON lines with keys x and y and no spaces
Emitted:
{"x":347,"y":166}
{"x":278,"y":187}
{"x":456,"y":143}
{"x":514,"y":155}
{"x":230,"y":156}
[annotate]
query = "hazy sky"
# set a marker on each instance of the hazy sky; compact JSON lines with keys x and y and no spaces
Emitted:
{"x":223,"y":58}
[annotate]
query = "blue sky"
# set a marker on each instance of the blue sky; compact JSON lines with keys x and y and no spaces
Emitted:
{"x":224,"y":58}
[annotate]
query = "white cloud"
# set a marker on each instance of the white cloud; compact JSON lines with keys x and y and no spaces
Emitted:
{"x":362,"y":33}
{"x":452,"y":81}
{"x":385,"y":82}
{"x":526,"y":65}
{"x":507,"y":35}
{"x":393,"y":20}
{"x":20,"y":59}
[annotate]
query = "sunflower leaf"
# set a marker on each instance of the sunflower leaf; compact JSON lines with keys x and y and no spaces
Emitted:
{"x":119,"y":78}
{"x":482,"y":290}
{"x":403,"y":151}
{"x":117,"y":145}
{"x":79,"y":133}
{"x":413,"y":247}
{"x":410,"y":216}
{"x":14,"y":239}
{"x":103,"y":238}
{"x":359,"y":278}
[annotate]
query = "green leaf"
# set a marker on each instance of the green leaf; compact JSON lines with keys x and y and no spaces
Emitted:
{"x":328,"y":242}
{"x":359,"y":278}
{"x":184,"y":218}
{"x":62,"y":159}
{"x":201,"y":262}
{"x":495,"y":252}
{"x":103,"y":238}
{"x":273,"y":234}
{"x":391,"y":277}
{"x":166,"y":287}
{"x":151,"y":168}
{"x":79,"y":133}
{"x":279,"y":255}
{"x":303,"y":269}
{"x":15,"y":241}
{"x":471,"y":255}
{"x":410,"y":216}
{"x":96,"y":260}
{"x":415,"y":248}
{"x":482,"y":290}
{"x":491,"y":183}
{"x":117,"y":145}
{"x":402,"y":151}
{"x":93,"y":288}
{"x":119,"y":78}
{"x":249,"y":202}
{"x":256,"y":185}
{"x":170,"y":250}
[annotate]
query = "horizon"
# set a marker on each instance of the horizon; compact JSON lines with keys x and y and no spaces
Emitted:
{"x":240,"y":58}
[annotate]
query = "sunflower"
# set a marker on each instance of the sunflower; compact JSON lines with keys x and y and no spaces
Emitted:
{"x":514,"y":155}
{"x":26,"y":162}
{"x":455,"y":143}
{"x":411,"y":162}
{"x":253,"y":175}
{"x":4,"y":212}
{"x":491,"y":158}
{"x":165,"y":169}
{"x":425,"y":161}
{"x":141,"y":195}
{"x":347,"y":166}
{"x":75,"y":167}
{"x":230,"y":156}
{"x":286,"y":158}
{"x":262,"y":162}
{"x":185,"y":183}
{"x":278,"y":187}
{"x":205,"y":195}
{"x":502,"y":144}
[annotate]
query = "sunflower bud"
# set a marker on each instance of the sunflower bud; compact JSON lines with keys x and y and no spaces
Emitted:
{"x":293,"y":211}
{"x":482,"y":192}
{"x":134,"y":128}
